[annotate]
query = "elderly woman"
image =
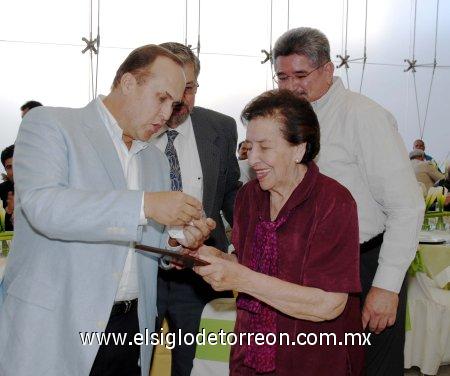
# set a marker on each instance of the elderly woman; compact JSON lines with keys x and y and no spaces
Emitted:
{"x":296,"y":260}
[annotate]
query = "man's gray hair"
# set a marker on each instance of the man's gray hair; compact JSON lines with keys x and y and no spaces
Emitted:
{"x":305,"y":41}
{"x":184,"y":53}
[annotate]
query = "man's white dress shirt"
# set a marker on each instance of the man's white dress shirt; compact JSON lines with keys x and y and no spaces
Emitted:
{"x":247,"y":173}
{"x":128,"y":287}
{"x":362,"y":149}
{"x":187,"y":152}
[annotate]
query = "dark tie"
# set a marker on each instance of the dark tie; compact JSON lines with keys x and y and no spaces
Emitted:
{"x":171,"y":153}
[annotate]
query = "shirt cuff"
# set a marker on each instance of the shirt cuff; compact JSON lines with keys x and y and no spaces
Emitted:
{"x":389,"y":278}
{"x":142,"y":220}
{"x":165,"y":261}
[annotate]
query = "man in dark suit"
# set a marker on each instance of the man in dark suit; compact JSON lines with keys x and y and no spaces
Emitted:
{"x":7,"y":187}
{"x":200,"y":145}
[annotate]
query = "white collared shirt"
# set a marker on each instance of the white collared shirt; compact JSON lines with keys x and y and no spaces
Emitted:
{"x":128,"y":286}
{"x":361,"y":149}
{"x":187,"y":152}
{"x":247,"y":173}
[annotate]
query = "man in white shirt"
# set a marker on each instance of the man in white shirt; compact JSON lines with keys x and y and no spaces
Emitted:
{"x":390,"y":208}
{"x":72,"y":268}
{"x":200,"y":145}
{"x":247,"y":173}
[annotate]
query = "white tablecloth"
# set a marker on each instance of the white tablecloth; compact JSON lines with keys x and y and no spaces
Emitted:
{"x":427,"y":344}
{"x":214,"y":360}
{"x":2,"y":267}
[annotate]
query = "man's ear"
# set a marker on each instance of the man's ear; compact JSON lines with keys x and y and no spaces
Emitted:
{"x":329,"y":71}
{"x":127,"y":83}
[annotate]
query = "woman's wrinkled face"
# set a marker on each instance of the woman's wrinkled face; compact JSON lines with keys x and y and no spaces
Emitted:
{"x":270,"y":155}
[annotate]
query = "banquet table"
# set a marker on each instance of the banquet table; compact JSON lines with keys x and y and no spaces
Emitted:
{"x":427,"y":342}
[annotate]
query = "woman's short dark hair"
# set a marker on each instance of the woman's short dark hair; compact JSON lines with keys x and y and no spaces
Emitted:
{"x":299,"y":120}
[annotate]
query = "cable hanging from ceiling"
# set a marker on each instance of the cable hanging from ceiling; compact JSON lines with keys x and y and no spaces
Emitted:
{"x":198,"y":29}
{"x":344,"y":56}
{"x":186,"y":23}
{"x":93,"y":46}
{"x":288,"y":14}
{"x":412,"y":65}
{"x":268,"y":54}
{"x":197,"y":49}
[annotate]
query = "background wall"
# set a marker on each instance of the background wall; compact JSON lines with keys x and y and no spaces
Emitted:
{"x":41,"y":59}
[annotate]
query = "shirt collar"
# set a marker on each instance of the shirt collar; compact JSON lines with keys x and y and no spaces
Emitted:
{"x":113,"y":127}
{"x":336,"y":87}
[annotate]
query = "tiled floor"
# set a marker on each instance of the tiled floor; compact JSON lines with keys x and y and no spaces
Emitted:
{"x":443,"y":371}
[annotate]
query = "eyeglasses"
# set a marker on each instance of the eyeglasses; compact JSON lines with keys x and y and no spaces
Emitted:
{"x":281,"y":77}
{"x":191,"y":88}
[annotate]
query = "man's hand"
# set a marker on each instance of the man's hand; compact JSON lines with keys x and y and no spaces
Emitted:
{"x":380,"y":309}
{"x":197,"y":232}
{"x":10,"y":203}
{"x":171,"y":208}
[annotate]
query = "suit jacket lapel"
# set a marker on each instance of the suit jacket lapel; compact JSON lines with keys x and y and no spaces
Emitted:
{"x":98,"y":135}
{"x":205,"y":137}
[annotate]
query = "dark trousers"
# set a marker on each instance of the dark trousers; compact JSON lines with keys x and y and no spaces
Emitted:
{"x":385,"y":355}
{"x":182,"y":295}
{"x":119,"y":360}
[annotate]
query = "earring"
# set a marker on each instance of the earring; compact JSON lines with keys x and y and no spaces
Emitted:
{"x":297,"y":161}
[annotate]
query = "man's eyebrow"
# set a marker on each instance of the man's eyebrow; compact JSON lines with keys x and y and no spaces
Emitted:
{"x":295,"y":72}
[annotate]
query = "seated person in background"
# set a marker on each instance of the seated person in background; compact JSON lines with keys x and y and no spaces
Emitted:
{"x":247,"y":173}
{"x":295,"y":233}
{"x":420,"y":144}
{"x":7,"y":187}
{"x":28,"y":106}
{"x":426,"y":172}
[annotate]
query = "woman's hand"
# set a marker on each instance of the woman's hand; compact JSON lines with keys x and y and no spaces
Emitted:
{"x":197,"y":232}
{"x":224,"y":272}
